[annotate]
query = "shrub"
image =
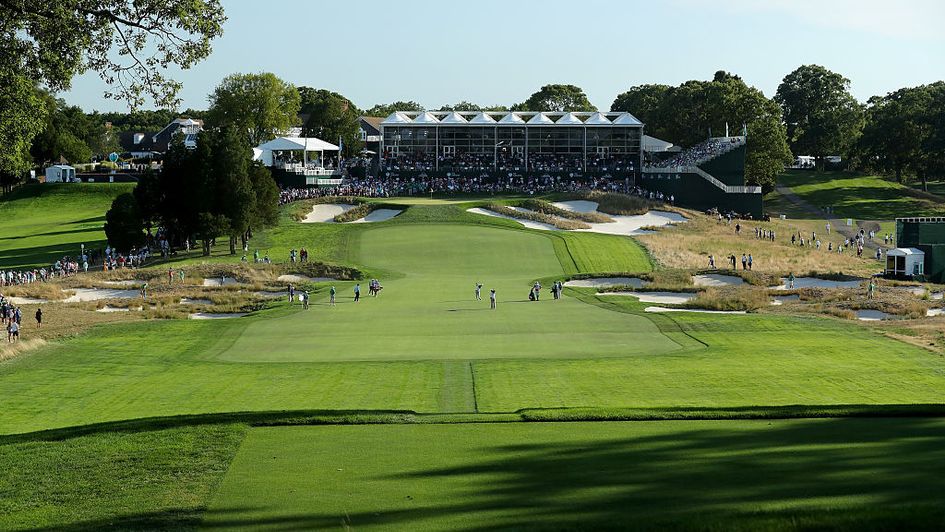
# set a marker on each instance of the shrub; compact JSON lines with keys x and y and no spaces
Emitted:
{"x":729,"y":299}
{"x":616,"y":203}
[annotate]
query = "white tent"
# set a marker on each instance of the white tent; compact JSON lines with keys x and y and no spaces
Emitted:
{"x":569,"y":119}
{"x":454,"y":118}
{"x":540,"y":119}
{"x":511,"y":119}
{"x":653,"y":144}
{"x":905,"y":262}
{"x":396,"y":118}
{"x":264,"y":152}
{"x":627,"y":119}
{"x":60,"y":173}
{"x":425,"y":118}
{"x":482,"y":118}
{"x":597,"y":119}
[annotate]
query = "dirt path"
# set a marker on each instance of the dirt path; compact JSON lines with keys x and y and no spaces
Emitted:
{"x":838,"y":225}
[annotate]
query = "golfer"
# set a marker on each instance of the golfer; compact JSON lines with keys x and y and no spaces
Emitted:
{"x":331,"y":297}
{"x":357,"y":292}
{"x":478,"y":291}
{"x":39,"y":317}
{"x":492,"y":298}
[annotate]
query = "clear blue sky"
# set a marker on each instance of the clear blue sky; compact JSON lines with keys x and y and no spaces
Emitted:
{"x":500,"y":51}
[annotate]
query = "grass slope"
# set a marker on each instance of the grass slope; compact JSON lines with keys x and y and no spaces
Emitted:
{"x":41,"y":223}
{"x":862,"y":474}
{"x":861,"y":197}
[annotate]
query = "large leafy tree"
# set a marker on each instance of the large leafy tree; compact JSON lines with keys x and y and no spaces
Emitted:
{"x":22,"y":116}
{"x":258,"y":105}
{"x":69,"y":133}
{"x":557,"y":97}
{"x":687,"y":113}
{"x":331,"y":116}
{"x":386,"y":110}
{"x":821,"y":115}
{"x":643,"y":102}
{"x":127,"y":42}
{"x":124,"y":225}
{"x":903,"y":133}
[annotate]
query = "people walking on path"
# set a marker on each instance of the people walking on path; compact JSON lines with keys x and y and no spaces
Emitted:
{"x":712,"y":262}
{"x":39,"y":317}
{"x":744,"y":262}
{"x":305,"y":300}
{"x":357,"y":292}
{"x":790,"y":280}
{"x":291,"y":291}
{"x":750,"y":260}
{"x":871,"y":289}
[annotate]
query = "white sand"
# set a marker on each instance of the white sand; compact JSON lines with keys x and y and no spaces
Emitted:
{"x":296,"y":278}
{"x":780,"y":300}
{"x":526,"y":223}
{"x":577,"y":206}
{"x":938,"y":295}
{"x":934,"y":312}
{"x":622,"y":225}
{"x":95,"y":294}
{"x":604,"y":282}
{"x":715,"y":279}
{"x":189,"y":301}
{"x":325,"y":213}
{"x":217,"y":281}
{"x":26,"y":300}
{"x":378,"y":215}
{"x":871,"y":315}
{"x":107,"y":308}
{"x":213,"y":316}
{"x":813,"y":282}
{"x":664,"y":309}
{"x":665,"y":298}
{"x":915,"y":290}
{"x":128,"y":282}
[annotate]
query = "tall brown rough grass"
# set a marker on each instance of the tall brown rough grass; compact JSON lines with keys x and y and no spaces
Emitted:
{"x":560,"y":223}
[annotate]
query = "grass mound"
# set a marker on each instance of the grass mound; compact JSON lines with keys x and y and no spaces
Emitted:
{"x":560,"y":223}
{"x":546,"y":207}
{"x":615,"y":203}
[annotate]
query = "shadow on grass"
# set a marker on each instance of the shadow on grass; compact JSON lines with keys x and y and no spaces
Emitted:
{"x":848,"y":474}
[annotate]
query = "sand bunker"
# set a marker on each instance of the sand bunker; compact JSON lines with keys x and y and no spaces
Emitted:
{"x":378,"y":215}
{"x":325,"y":213}
{"x":526,"y":223}
{"x":813,"y":282}
{"x":937,"y":295}
{"x":703,"y":311}
{"x":189,"y":301}
{"x":605,"y":282}
{"x":622,"y":225}
{"x":95,"y":294}
{"x":216,"y":316}
{"x":871,"y":315}
{"x":780,"y":300}
{"x":666,"y":298}
{"x":26,"y":300}
{"x":934,"y":312}
{"x":220,"y":281}
{"x":296,"y":278}
{"x":715,"y":279}
{"x":127,"y":282}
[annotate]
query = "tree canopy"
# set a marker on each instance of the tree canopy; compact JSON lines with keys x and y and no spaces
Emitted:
{"x":685,"y":114}
{"x":902,"y":135}
{"x":127,"y":42}
{"x":557,"y":97}
{"x":260,"y":106}
{"x":385,"y":110}
{"x":821,"y":115}
{"x":331,"y":116}
{"x":23,"y":116}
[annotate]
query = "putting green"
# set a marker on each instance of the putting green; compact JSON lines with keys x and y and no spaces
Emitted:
{"x":744,"y":475}
{"x":429,"y":311}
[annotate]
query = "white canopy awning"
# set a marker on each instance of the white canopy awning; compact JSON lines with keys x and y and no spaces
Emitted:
{"x":297,"y":144}
{"x":454,"y":118}
{"x":482,"y":118}
{"x":569,"y":119}
{"x":904,"y":252}
{"x":598,"y":119}
{"x":540,"y":119}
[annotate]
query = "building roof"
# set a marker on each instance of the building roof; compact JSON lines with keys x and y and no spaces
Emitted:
{"x":485,"y":118}
{"x":297,"y":144}
{"x":902,"y":252}
{"x":923,"y":219}
{"x":373,"y":121}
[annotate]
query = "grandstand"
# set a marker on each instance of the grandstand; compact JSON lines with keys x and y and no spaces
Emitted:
{"x":710,"y":174}
{"x":504,"y":145}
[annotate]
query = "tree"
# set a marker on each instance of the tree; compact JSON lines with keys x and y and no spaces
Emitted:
{"x":462,"y":106}
{"x":895,"y":131}
{"x":643,"y":102}
{"x":685,"y":114}
{"x":23,"y":117}
{"x":127,"y":42}
{"x":386,"y":110}
{"x":558,"y":97}
{"x":123,"y":223}
{"x":69,"y":133}
{"x":261,"y":106}
{"x":266,"y":195}
{"x":821,"y":115}
{"x":331,"y":116}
